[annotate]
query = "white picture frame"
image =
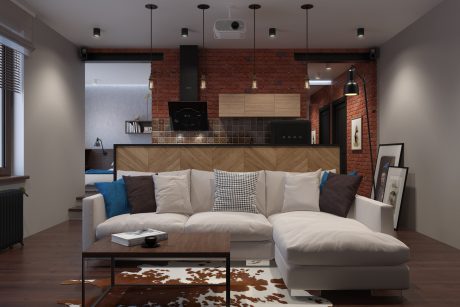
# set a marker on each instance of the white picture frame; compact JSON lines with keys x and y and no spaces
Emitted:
{"x":388,"y":155}
{"x":356,"y":134}
{"x":313,"y":137}
{"x":394,"y":190}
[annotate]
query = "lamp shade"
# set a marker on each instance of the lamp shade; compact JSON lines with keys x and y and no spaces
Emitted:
{"x":351,"y":88}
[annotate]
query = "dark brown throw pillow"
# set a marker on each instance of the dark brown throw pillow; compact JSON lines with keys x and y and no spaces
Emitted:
{"x":141,"y":193}
{"x":339,"y":193}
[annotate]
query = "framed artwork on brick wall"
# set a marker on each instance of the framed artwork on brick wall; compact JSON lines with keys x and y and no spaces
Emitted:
{"x":313,"y":137}
{"x":356,"y":134}
{"x":394,"y":190}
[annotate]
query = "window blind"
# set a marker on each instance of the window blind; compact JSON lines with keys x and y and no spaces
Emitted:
{"x":1,"y":66}
{"x":10,"y":69}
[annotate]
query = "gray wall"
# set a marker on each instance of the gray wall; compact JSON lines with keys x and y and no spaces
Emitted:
{"x":53,"y":129}
{"x":106,"y":109}
{"x":419,"y":104}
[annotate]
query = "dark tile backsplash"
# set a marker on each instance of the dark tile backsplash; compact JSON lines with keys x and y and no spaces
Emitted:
{"x":221,"y":131}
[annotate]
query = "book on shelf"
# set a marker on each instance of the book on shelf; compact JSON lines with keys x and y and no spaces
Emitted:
{"x":132,"y":238}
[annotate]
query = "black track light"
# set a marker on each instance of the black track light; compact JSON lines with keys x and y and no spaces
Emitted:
{"x":184,"y":32}
{"x":96,"y":32}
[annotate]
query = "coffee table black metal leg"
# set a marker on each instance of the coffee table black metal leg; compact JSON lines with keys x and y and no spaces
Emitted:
{"x":227,"y":282}
{"x":83,"y":281}
{"x":112,"y":272}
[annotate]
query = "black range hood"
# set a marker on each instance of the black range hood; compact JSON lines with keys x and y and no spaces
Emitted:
{"x":189,"y":60}
{"x":189,"y":113}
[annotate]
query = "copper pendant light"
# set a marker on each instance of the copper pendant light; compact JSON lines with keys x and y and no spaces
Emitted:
{"x":254,"y":7}
{"x":203,"y":7}
{"x":306,"y":7}
{"x":151,"y":7}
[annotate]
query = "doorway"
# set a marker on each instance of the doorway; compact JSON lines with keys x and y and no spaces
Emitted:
{"x":339,"y":130}
{"x":325,"y":125}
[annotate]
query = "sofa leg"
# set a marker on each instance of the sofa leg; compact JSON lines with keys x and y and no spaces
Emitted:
{"x":264,"y":262}
{"x":297,"y":292}
{"x":395,"y":293}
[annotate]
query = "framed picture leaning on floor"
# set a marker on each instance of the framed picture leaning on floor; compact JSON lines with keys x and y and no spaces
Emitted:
{"x":388,"y":155}
{"x":394,"y":190}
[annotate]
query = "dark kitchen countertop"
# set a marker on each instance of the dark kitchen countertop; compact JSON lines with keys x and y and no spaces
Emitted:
{"x":222,"y":145}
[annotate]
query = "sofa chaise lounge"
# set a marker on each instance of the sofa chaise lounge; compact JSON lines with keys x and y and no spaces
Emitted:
{"x":312,"y":250}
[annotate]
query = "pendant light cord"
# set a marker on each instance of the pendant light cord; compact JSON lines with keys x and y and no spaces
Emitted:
{"x":306,"y":43}
{"x":204,"y":53}
{"x":151,"y":36}
{"x":254,"y":47}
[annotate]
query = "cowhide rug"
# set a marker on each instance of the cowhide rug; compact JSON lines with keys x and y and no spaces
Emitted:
{"x":250,"y":286}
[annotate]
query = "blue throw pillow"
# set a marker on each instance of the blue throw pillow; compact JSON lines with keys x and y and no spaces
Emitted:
{"x":323,"y":181}
{"x":353,"y":173}
{"x":115,"y":198}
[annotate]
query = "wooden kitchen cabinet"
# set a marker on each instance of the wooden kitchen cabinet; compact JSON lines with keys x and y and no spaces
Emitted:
{"x":259,"y":105}
{"x":231,"y":105}
{"x":287,"y":105}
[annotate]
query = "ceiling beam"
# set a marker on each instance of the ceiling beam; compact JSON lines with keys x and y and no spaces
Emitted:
{"x":87,"y":55}
{"x":337,"y":57}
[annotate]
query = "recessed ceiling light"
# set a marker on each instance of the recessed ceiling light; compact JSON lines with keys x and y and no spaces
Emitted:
{"x":318,"y":76}
{"x":184,"y":32}
{"x":96,"y":32}
{"x":328,"y":66}
{"x":360,"y":32}
{"x":272,"y":32}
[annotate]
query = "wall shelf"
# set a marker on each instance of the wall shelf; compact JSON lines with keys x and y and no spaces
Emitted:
{"x":138,"y":127}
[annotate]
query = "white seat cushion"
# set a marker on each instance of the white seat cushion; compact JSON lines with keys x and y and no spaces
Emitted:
{"x":318,"y":238}
{"x":169,"y":222}
{"x":242,"y":226}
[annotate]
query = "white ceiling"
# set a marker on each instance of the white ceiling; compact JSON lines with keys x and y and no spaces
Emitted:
{"x":125,"y":23}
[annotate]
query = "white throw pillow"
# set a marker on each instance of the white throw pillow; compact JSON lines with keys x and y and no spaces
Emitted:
{"x":172,"y":194}
{"x":235,"y":191}
{"x":202,"y":190}
{"x":301,"y":192}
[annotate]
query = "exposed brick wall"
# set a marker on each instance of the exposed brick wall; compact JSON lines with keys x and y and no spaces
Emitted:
{"x":230,"y":71}
{"x":357,"y":159}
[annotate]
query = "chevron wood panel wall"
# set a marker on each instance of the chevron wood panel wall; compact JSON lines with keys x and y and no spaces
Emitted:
{"x":158,"y":158}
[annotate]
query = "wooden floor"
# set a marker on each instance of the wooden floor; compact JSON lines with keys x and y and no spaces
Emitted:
{"x":31,"y":276}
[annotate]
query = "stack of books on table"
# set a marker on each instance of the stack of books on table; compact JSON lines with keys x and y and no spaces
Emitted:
{"x":138,"y":237}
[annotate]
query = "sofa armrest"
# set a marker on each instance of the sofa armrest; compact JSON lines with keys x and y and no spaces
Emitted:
{"x":93,"y":215}
{"x":374,"y":214}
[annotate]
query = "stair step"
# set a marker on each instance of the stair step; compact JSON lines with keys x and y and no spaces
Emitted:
{"x":75,"y":213}
{"x":75,"y":209}
{"x":88,"y":193}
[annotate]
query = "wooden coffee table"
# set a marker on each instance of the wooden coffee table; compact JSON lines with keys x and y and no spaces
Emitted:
{"x":178,"y":246}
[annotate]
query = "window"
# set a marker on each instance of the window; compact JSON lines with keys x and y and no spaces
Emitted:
{"x":11,"y":75}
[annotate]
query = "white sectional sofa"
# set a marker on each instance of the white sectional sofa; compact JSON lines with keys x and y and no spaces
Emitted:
{"x":313,"y":250}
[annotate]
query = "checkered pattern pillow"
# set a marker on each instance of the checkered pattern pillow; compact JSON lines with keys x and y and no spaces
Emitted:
{"x":235,"y":192}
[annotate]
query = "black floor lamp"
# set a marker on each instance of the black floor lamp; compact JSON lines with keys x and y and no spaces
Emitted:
{"x":351,"y":88}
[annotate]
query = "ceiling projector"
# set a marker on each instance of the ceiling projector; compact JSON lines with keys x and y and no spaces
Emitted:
{"x":229,"y":29}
